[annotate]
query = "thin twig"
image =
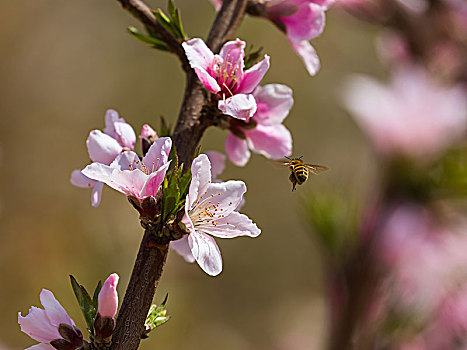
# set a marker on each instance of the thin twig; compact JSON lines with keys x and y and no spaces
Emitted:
{"x":143,"y":13}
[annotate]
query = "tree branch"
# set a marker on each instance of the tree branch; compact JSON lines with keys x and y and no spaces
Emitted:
{"x":226,"y":23}
{"x":139,"y":294}
{"x":191,"y":124}
{"x":143,"y":13}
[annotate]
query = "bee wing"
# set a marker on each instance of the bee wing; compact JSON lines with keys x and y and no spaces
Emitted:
{"x":280,"y":163}
{"x":316,"y":169}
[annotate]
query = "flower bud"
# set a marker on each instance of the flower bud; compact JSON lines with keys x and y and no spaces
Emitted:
{"x":148,"y":136}
{"x":108,"y":297}
{"x":104,"y":328}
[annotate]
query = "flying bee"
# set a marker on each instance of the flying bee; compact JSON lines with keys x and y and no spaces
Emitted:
{"x":299,"y":170}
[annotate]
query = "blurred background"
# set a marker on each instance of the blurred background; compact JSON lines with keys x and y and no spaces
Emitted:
{"x":63,"y":64}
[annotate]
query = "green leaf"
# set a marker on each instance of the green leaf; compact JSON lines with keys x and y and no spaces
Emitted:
{"x":184,"y":183}
{"x":165,"y":128}
{"x":85,"y":303}
{"x":171,"y":8}
{"x":165,"y":22}
{"x":150,"y":40}
{"x":178,"y":23}
{"x":95,"y":297}
{"x":157,"y":315}
{"x":252,"y":57}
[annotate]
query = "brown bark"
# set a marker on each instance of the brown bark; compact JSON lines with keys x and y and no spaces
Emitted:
{"x":140,"y":292}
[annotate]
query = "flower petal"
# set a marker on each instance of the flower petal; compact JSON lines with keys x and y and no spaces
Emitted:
{"x":253,"y":76}
{"x":272,"y":141}
{"x":239,"y":106}
{"x":219,"y":199}
{"x":102,"y":148}
{"x":54,"y":311}
{"x":78,"y":179}
{"x":96,"y":194}
{"x":37,"y":325}
{"x":306,"y":23}
{"x":207,"y":80}
{"x":158,"y":154}
{"x":217,"y":4}
{"x":111,"y":117}
{"x":237,"y":150}
{"x":231,"y":226}
{"x":125,"y":135}
{"x":41,"y":346}
{"x":274,"y":102}
{"x":201,"y":177}
{"x":129,"y":182}
{"x":119,"y":129}
{"x":154,"y":181}
{"x":100,"y":172}
{"x":206,"y":253}
{"x":217,"y":161}
{"x":182,"y":248}
{"x":126,"y":161}
{"x":201,"y":58}
{"x":233,"y":52}
{"x":308,"y":55}
{"x":198,"y":53}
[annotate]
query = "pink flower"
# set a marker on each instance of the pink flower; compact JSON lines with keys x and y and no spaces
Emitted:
{"x":264,"y":133}
{"x":42,"y":324}
{"x":223,"y":74}
{"x":108,"y":297}
{"x":104,"y":147}
{"x":302,"y":20}
{"x":210,"y":210}
{"x":132,"y":176}
{"x":415,"y":116}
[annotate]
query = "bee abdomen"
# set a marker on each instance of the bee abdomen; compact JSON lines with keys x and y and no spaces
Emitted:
{"x":301,"y":173}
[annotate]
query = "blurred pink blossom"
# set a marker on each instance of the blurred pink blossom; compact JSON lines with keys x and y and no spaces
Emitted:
{"x":425,"y":257}
{"x":108,"y":297}
{"x":223,"y":74}
{"x":132,"y":176}
{"x":42,"y":324}
{"x":414,"y":116}
{"x":104,"y":147}
{"x":264,"y":134}
{"x":210,"y":210}
{"x":217,"y":161}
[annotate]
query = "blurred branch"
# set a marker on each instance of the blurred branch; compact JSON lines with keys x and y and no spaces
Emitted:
{"x":143,"y":13}
{"x":187,"y":134}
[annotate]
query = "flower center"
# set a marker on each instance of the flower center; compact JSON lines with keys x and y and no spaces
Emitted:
{"x":226,"y":75}
{"x":139,"y":165}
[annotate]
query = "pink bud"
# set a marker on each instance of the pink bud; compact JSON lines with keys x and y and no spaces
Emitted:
{"x":148,"y":133}
{"x":108,"y":297}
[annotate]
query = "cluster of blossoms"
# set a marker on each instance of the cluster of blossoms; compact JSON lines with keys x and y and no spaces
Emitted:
{"x":54,"y":329}
{"x":257,"y":111}
{"x":210,"y":206}
{"x":301,"y":20}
